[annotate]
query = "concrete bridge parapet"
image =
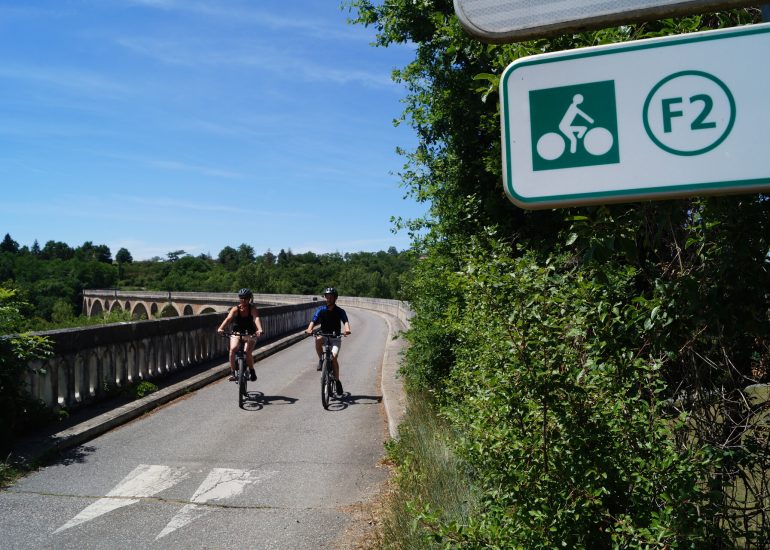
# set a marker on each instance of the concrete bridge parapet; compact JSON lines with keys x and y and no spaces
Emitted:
{"x":90,"y":361}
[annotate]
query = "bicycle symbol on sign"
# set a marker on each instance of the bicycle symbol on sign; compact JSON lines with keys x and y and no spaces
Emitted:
{"x":596,"y":140}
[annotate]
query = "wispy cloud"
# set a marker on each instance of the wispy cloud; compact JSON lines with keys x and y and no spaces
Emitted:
{"x":82,"y":82}
{"x":255,"y":56}
{"x":204,"y":170}
{"x":172,"y":165}
{"x":177,"y":204}
{"x":248,"y":15}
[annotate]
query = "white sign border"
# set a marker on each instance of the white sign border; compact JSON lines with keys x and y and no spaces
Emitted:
{"x":624,"y":195}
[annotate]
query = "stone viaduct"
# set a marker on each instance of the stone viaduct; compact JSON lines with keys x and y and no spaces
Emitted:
{"x":89,"y":364}
{"x":151,"y":305}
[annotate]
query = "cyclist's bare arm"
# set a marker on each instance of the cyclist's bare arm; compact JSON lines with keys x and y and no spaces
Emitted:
{"x":227,"y":320}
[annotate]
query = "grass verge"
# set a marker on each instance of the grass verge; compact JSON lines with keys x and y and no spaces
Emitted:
{"x":431,"y":485}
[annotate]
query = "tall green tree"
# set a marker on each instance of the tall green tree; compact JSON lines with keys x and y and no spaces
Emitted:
{"x":57,"y":250}
{"x":9,"y":245}
{"x":124,"y":256}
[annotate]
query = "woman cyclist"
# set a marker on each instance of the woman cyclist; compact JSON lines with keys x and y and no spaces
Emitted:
{"x":243,"y":318}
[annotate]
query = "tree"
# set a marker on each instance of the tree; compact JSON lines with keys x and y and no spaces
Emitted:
{"x":57,"y":250}
{"x":35,"y":248}
{"x":90,"y":252}
{"x":175,"y":255}
{"x":228,"y":257}
{"x":245,"y":254}
{"x":123,"y":256}
{"x":9,"y":245}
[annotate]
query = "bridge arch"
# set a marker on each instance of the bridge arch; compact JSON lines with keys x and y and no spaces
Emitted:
{"x":140,"y":311}
{"x":96,"y":308}
{"x":169,"y":311}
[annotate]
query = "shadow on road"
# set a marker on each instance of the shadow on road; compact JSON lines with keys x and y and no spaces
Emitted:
{"x":256,"y":400}
{"x":361,"y":399}
{"x":346,"y":399}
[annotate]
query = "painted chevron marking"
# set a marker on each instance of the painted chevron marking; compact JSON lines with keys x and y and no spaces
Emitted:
{"x":144,"y":481}
{"x":220,"y":484}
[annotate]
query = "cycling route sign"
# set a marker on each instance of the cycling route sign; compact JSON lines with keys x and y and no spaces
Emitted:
{"x":661,"y":118}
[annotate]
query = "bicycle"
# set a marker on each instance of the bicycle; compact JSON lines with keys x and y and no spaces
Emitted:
{"x":328,"y":380}
{"x":241,"y":372}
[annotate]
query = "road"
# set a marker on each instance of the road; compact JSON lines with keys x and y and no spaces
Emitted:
{"x":202,"y":473}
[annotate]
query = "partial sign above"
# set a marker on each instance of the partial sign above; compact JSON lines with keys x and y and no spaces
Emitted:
{"x":514,"y":20}
{"x":667,"y":117}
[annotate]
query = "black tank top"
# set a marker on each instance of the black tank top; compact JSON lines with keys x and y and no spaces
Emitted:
{"x":244,"y":323}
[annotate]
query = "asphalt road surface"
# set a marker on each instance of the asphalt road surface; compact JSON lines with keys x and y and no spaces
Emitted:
{"x":202,"y":473}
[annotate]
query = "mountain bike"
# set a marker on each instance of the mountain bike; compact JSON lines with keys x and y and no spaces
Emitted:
{"x":241,"y":372}
{"x":328,"y":380}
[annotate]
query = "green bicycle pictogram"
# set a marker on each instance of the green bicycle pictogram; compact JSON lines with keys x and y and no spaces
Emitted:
{"x":560,"y":117}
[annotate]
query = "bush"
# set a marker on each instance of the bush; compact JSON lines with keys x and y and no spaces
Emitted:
{"x":560,"y":411}
{"x":18,"y":411}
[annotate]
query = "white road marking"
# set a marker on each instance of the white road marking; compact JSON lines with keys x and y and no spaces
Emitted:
{"x":221,"y":484}
{"x":144,"y":481}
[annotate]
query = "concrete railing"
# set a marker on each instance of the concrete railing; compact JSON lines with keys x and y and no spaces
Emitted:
{"x":396,"y":308}
{"x":193,"y":303}
{"x":87,"y":362}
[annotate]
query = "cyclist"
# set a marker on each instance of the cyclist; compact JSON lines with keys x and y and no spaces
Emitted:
{"x":243,"y":318}
{"x":569,"y":128}
{"x":332,"y":319}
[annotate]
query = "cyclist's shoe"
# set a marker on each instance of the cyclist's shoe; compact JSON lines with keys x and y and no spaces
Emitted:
{"x":232,"y":377}
{"x":339,"y":387}
{"x":320,"y":364}
{"x":252,"y":375}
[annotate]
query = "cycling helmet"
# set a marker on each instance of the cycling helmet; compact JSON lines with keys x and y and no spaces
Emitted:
{"x":245,"y":293}
{"x":331,"y":290}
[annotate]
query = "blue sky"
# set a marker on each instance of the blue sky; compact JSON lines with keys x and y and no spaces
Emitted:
{"x":160,"y":125}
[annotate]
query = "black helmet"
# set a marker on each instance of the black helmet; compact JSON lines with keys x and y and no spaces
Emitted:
{"x":245,"y":293}
{"x":331,"y":290}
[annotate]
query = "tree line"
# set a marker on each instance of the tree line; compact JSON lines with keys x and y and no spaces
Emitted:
{"x":50,"y":279}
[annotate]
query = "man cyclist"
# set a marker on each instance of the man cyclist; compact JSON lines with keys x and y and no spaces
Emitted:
{"x":332,"y":319}
{"x":243,"y":318}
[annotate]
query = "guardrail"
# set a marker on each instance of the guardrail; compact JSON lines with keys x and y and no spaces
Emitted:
{"x":88,"y":362}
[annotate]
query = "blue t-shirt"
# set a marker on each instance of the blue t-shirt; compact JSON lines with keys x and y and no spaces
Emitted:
{"x":330,"y":319}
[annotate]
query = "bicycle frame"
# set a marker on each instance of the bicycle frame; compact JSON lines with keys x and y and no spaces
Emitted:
{"x":328,"y":381}
{"x":241,"y":375}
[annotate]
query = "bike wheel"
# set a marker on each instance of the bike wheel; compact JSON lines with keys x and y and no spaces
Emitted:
{"x":242,"y":377}
{"x":550,"y":146}
{"x":598,"y":141}
{"x":326,"y":385}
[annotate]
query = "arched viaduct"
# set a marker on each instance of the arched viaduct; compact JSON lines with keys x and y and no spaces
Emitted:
{"x":153,"y":305}
{"x":87,"y":361}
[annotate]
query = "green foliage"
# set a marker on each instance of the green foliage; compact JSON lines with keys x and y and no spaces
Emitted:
{"x":144,"y":388}
{"x":18,"y":411}
{"x":124,"y":256}
{"x":594,"y":363}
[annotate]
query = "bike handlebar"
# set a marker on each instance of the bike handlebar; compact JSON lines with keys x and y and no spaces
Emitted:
{"x":229,"y":333}
{"x":328,"y":334}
